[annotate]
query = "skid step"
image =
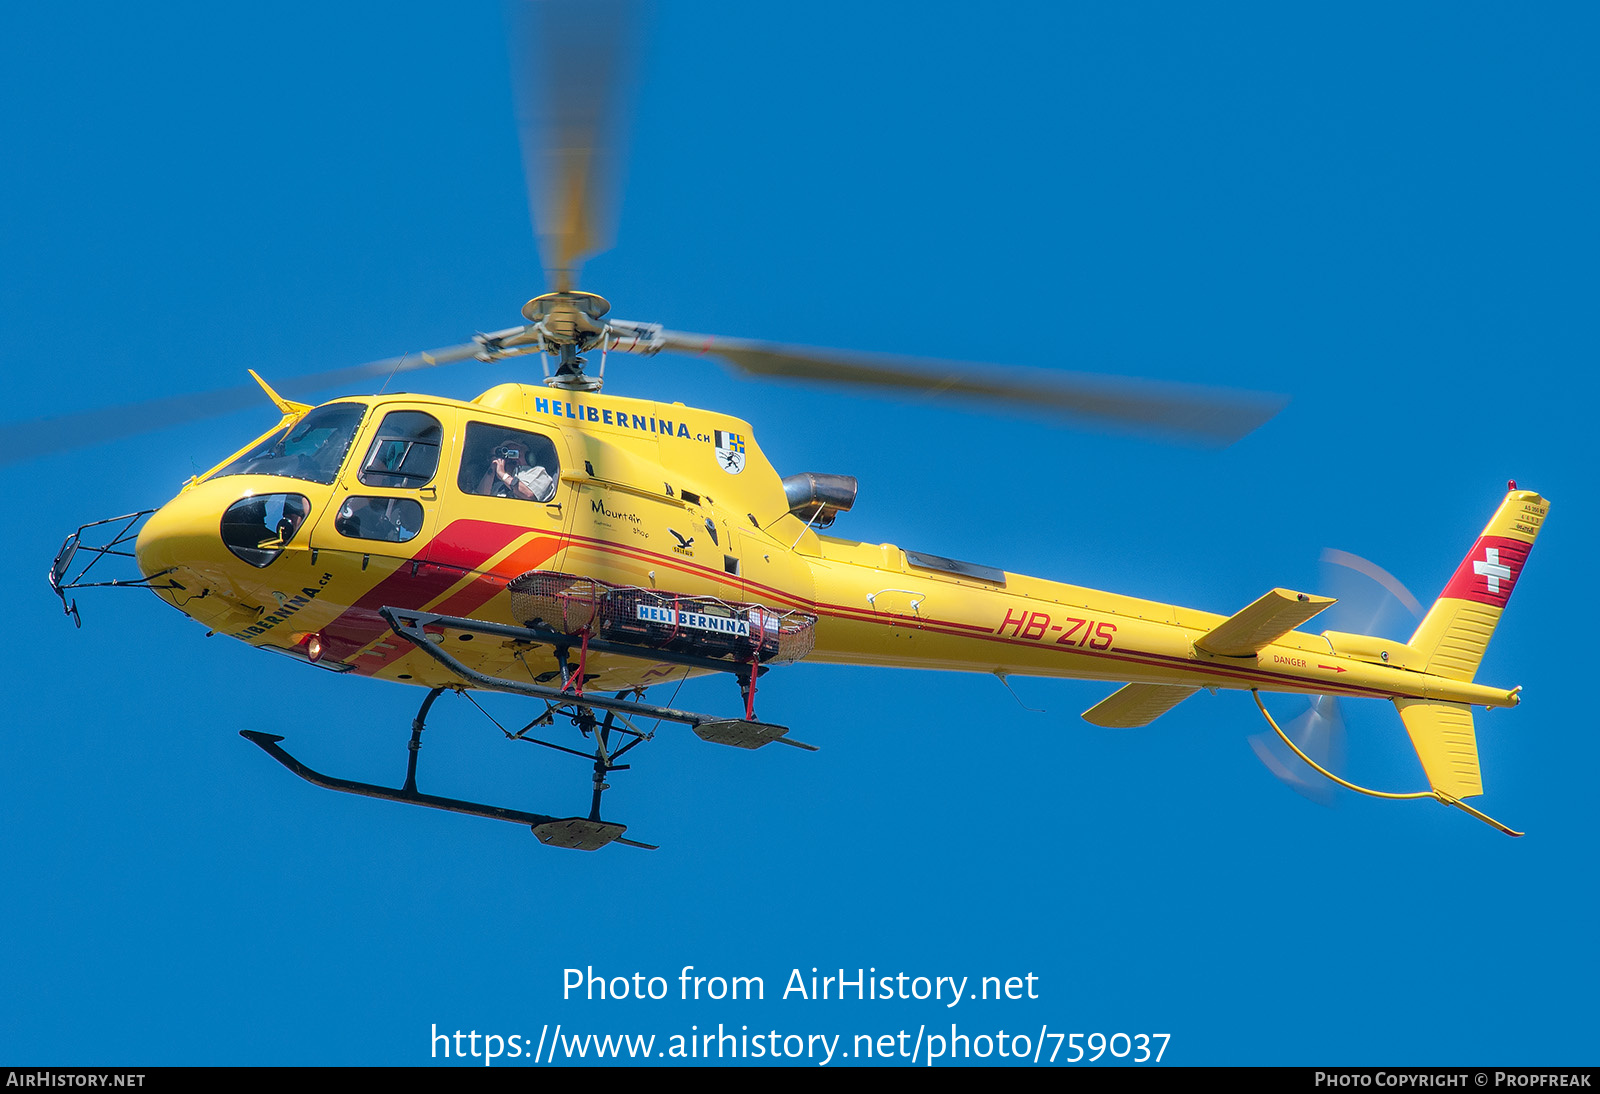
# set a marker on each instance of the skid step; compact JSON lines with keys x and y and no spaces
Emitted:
{"x":579,"y":833}
{"x":742,"y":734}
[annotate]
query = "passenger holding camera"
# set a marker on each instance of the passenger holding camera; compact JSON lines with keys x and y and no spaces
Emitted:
{"x":511,"y":476}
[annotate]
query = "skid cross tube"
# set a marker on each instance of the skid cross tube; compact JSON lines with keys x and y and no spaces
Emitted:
{"x":418,"y":724}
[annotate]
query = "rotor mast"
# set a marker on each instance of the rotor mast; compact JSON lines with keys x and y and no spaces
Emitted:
{"x":567,"y":324}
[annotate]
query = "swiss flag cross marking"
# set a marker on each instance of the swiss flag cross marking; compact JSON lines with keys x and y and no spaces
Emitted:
{"x":1491,"y":569}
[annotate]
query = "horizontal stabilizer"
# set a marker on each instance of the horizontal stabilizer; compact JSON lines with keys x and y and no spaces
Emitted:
{"x":1254,"y":628}
{"x":1134,"y":705}
{"x":1443,"y":737}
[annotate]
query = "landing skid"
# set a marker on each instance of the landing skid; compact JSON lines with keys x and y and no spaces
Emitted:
{"x":601,"y":719}
{"x":578,"y":833}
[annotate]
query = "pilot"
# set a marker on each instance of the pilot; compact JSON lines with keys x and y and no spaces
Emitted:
{"x":510,"y":475}
{"x":373,"y":518}
{"x":294,"y":515}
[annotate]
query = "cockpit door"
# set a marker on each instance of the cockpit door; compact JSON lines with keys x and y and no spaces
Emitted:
{"x":386,"y":504}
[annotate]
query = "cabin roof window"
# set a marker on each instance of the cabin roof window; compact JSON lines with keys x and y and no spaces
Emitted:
{"x":312,"y":449}
{"x":405,"y":453}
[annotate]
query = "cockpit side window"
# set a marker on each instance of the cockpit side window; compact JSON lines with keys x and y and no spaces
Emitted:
{"x":258,"y":528}
{"x":312,"y":449}
{"x":405,"y":453}
{"x":508,"y":463}
{"x":393,"y":519}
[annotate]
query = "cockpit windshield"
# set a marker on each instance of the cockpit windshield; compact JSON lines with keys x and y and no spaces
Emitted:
{"x":311,"y":449}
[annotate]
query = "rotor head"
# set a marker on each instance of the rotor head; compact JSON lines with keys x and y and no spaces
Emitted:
{"x":566,"y":323}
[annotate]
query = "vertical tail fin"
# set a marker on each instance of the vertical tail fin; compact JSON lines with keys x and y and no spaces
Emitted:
{"x":1443,"y":737}
{"x":1456,"y":631}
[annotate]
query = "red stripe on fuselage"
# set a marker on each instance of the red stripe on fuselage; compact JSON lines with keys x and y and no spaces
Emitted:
{"x":465,"y":545}
{"x":864,"y":615}
{"x":453,"y":554}
{"x":467,"y":600}
{"x":848,"y":614}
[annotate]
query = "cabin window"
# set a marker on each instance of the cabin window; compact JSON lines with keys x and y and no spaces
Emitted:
{"x":258,"y":529}
{"x":394,"y":520}
{"x":312,"y":449}
{"x":508,"y":463}
{"x":405,"y":453}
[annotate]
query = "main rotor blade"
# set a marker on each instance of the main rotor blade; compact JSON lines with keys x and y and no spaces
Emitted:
{"x":21,"y":441}
{"x":1186,"y":412}
{"x":571,"y":60}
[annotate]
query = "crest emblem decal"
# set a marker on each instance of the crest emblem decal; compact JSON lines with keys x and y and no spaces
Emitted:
{"x":730,"y":452}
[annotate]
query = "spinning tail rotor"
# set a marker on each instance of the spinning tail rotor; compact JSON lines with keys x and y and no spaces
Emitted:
{"x":1370,"y":601}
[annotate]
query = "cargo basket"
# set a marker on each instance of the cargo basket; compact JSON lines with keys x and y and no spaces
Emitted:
{"x":654,"y":619}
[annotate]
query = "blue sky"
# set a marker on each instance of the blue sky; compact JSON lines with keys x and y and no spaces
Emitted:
{"x":1384,"y":213}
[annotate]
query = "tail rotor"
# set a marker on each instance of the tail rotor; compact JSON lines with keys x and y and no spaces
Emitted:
{"x":1370,"y":601}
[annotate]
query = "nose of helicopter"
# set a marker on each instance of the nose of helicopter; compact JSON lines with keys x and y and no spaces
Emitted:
{"x":178,"y":534}
{"x":226,"y":533}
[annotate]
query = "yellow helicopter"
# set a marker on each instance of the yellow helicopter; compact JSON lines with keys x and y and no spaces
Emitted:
{"x":577,"y":547}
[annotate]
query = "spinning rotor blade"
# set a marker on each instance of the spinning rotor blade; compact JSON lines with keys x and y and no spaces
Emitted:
{"x":24,"y":440}
{"x":570,"y":62}
{"x":1370,"y":601}
{"x":1190,"y":413}
{"x":1319,"y":733}
{"x":1370,"y":597}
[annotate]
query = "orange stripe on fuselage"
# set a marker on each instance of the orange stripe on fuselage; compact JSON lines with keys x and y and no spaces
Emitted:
{"x":459,"y":552}
{"x":468,"y":599}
